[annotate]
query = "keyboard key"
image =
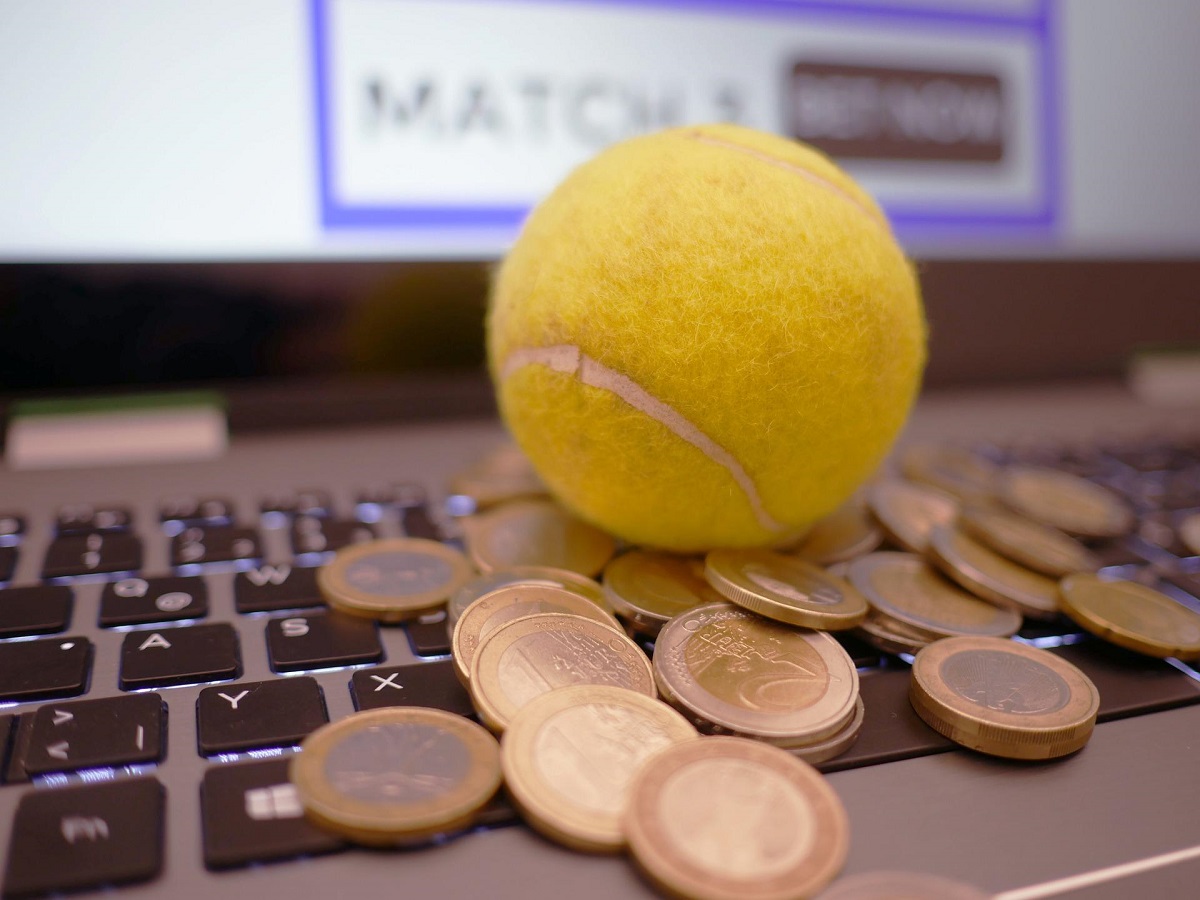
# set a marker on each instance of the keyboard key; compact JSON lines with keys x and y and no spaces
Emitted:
{"x":41,"y":609}
{"x":196,"y":511}
{"x":321,"y":534}
{"x":32,"y":670}
{"x":429,"y":637}
{"x":84,"y":518}
{"x":250,"y":813}
{"x":12,"y":527}
{"x":8,"y":563}
{"x":1129,"y":683}
{"x":891,"y":729}
{"x":86,"y":837}
{"x":307,"y":502}
{"x":201,"y":545}
{"x":114,"y":731}
{"x":91,"y":554}
{"x":179,"y":656}
{"x":254,"y":714}
{"x":417,"y":523}
{"x":320,"y":641}
{"x":270,"y":588}
{"x":137,"y":601}
{"x":432,"y":684}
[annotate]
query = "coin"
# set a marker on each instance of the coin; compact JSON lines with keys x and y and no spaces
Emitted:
{"x":990,"y":576}
{"x":392,"y":580}
{"x":1132,"y":615}
{"x":397,"y":775}
{"x":731,"y":670}
{"x":536,"y":654}
{"x":903,"y":587}
{"x":907,"y":513}
{"x":1039,"y":547}
{"x":647,"y":589}
{"x":485,"y":584}
{"x":729,"y":819}
{"x":504,"y":474}
{"x":835,"y":745}
{"x":536,"y":533}
{"x":784,"y":589}
{"x":844,"y":534}
{"x":1003,"y":698}
{"x":1064,"y":501}
{"x":570,"y":755}
{"x":954,"y":470}
{"x":510,"y":602}
{"x":901,"y":886}
{"x":1189,"y":533}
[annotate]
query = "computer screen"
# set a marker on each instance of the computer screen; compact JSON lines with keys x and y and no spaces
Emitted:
{"x":426,"y":129}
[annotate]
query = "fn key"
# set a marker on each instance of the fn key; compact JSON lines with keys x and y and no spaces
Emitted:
{"x":85,"y":837}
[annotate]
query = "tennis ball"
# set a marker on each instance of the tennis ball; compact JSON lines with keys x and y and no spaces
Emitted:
{"x":706,"y":337}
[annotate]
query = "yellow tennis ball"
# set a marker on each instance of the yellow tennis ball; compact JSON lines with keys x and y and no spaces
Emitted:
{"x":706,"y":337}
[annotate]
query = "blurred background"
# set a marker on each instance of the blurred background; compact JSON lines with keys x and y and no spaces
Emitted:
{"x":315,"y":191}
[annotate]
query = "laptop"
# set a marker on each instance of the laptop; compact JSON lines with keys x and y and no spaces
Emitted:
{"x":186,"y":442}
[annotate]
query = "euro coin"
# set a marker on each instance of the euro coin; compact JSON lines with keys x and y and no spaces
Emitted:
{"x":1003,"y":698}
{"x":647,"y":589}
{"x":905,"y":588}
{"x":728,"y":669}
{"x":398,"y":775}
{"x":392,"y":580}
{"x":1031,"y":544}
{"x":1132,"y":615}
{"x":1066,"y":502}
{"x":544,"y":575}
{"x":908,"y":513}
{"x":535,"y":533}
{"x":954,"y":470}
{"x":503,"y":475}
{"x":536,"y":654}
{"x":729,"y":819}
{"x":511,"y":602}
{"x":992,"y":577}
{"x":784,"y":589}
{"x":844,"y":534}
{"x":901,"y":886}
{"x":570,"y":755}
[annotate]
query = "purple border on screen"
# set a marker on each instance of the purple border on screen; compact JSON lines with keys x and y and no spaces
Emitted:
{"x":1040,"y":22}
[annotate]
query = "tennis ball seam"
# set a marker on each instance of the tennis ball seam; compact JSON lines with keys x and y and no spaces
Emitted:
{"x":569,"y":359}
{"x":804,"y":173}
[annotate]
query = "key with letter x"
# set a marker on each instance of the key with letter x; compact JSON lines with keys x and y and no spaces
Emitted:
{"x":428,"y":684}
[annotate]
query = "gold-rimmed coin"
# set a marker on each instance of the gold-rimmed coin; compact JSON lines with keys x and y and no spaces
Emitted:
{"x":398,"y":775}
{"x":729,"y":819}
{"x":392,"y":580}
{"x":1189,"y":533}
{"x":570,"y":755}
{"x":504,"y":474}
{"x":536,"y":654}
{"x":485,"y":584}
{"x":647,"y":589}
{"x":1132,"y":615}
{"x":785,"y":589}
{"x":1031,"y":544}
{"x":955,"y":470}
{"x":835,"y":745}
{"x":901,"y":886}
{"x":508,"y":603}
{"x":1065,"y":501}
{"x":729,"y":670}
{"x":903,"y":587}
{"x":907,"y":512}
{"x":992,"y":577}
{"x":536,"y":533}
{"x":847,"y":532}
{"x":1003,"y":698}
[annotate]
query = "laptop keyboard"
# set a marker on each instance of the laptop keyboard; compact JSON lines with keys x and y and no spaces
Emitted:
{"x":90,"y":655}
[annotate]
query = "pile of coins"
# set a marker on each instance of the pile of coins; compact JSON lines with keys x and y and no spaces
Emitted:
{"x":626,"y":704}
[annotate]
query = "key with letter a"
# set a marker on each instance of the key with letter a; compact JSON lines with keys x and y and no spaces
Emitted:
{"x":179,"y":656}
